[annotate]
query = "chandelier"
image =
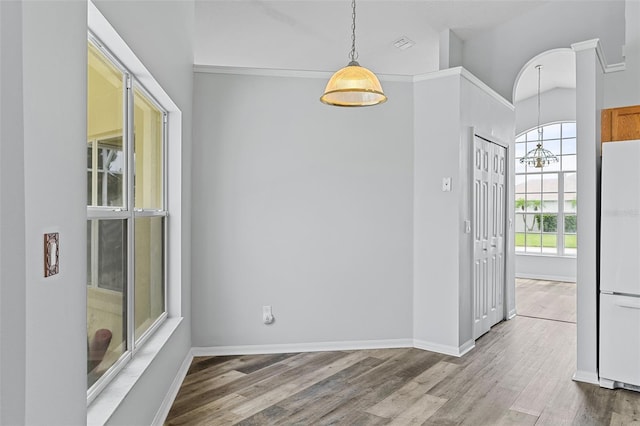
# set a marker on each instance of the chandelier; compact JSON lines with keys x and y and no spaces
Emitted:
{"x":539,"y":157}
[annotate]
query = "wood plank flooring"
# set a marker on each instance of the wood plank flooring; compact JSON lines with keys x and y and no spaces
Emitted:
{"x":518,"y":374}
{"x":546,"y":299}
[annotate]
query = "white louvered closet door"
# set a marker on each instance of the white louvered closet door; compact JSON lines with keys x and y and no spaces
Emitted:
{"x":489,"y":207}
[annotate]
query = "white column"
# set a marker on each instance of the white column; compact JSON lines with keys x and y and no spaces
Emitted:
{"x":590,"y":68}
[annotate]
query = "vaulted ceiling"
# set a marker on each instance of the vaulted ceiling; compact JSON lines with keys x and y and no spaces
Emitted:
{"x":316,"y":34}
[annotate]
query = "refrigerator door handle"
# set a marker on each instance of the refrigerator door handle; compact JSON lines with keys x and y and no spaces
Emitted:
{"x":628,"y":305}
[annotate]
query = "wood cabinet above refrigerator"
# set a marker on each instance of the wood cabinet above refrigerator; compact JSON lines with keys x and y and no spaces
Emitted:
{"x":621,"y":124}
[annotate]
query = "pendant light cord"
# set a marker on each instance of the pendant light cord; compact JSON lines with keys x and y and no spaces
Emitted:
{"x":353,"y":55}
{"x":539,"y":67}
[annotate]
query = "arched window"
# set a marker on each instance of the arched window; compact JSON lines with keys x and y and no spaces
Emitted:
{"x":545,"y":198}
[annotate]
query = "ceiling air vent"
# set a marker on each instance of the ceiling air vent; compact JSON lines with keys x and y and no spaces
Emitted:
{"x":403,"y":43}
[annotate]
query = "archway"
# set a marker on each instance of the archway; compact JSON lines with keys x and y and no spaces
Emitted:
{"x":546,"y":198}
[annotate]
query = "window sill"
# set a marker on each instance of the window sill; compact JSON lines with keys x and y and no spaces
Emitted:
{"x":565,"y":256}
{"x":105,"y":404}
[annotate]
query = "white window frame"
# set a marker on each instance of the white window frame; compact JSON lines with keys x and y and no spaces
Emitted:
{"x":129,"y":213}
{"x":561,"y":213}
{"x":101,"y":410}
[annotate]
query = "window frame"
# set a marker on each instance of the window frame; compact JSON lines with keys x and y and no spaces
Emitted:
{"x":561,"y":212}
{"x":128,"y":213}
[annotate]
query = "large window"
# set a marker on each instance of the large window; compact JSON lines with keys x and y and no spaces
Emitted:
{"x":126,"y":216}
{"x":545,"y":203}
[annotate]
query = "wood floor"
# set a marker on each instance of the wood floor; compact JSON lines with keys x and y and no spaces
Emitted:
{"x":518,"y":374}
{"x":546,"y":299}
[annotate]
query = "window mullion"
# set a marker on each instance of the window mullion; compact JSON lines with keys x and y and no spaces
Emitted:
{"x":130,"y":201}
{"x":165,"y":205}
{"x":560,"y":226}
{"x":94,"y":172}
{"x":94,"y":224}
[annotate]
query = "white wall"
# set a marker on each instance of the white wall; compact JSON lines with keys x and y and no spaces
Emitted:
{"x":623,"y":88}
{"x":12,"y":222}
{"x":301,"y":206}
{"x":499,"y":54}
{"x":446,"y":105}
{"x":450,"y":52}
{"x":558,"y":104}
{"x":552,"y":268}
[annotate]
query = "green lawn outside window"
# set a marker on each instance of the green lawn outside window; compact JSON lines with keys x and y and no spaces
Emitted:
{"x":547,"y":240}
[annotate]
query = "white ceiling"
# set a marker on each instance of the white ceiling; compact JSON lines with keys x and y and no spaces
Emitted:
{"x":316,"y":34}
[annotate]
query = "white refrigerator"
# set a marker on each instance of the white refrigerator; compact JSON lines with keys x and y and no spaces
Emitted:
{"x":619,"y":358}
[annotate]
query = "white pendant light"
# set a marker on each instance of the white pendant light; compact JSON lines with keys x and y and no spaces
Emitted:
{"x":353,"y":85}
{"x":539,"y":157}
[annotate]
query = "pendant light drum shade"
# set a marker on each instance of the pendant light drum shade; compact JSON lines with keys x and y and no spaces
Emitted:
{"x":352,"y":86}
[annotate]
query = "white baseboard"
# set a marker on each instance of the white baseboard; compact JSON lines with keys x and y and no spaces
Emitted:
{"x":606,"y":383}
{"x":512,"y":313}
{"x":568,"y":279}
{"x":466,"y":347}
{"x":586,"y":377}
{"x":301,"y":347}
{"x":456,"y":351}
{"x":167,"y":402}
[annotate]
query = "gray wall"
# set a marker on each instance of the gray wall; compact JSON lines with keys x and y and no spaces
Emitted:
{"x":12,"y":222}
{"x":436,"y":261}
{"x":494,"y":119}
{"x":499,"y":54}
{"x":54,"y":60}
{"x":43,"y":345}
{"x":301,"y":206}
{"x":447,"y":105}
{"x":335,"y":217}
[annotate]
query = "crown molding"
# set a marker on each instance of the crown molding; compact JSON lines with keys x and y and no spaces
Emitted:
{"x":325,"y":75}
{"x":272,"y":72}
{"x":593,"y":44}
{"x":616,"y":67}
{"x":462,"y":72}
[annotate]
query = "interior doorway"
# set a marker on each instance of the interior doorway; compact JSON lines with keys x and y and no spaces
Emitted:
{"x":546,"y":202}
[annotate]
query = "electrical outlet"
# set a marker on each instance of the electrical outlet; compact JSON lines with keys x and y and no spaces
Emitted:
{"x":267,"y":315}
{"x":446,"y":184}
